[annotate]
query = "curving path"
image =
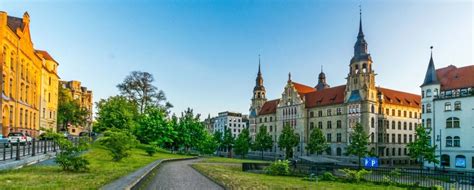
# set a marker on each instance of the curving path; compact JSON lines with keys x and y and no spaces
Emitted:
{"x":178,"y":175}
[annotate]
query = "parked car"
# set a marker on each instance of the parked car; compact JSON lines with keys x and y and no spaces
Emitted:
{"x":13,"y":137}
{"x":87,"y":134}
{"x":4,"y":141}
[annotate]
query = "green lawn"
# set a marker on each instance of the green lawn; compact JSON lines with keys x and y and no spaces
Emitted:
{"x":232,"y":176}
{"x":102,"y":171}
{"x":229,"y":160}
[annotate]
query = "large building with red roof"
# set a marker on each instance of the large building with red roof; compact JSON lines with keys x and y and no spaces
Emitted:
{"x":388,"y":116}
{"x":448,"y":114}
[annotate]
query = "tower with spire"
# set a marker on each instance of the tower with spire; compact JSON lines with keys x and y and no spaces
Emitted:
{"x":321,"y":81}
{"x":361,"y":78}
{"x":259,"y":92}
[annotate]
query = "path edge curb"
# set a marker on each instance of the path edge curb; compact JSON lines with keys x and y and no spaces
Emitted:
{"x":210,"y":178}
{"x":137,"y":181}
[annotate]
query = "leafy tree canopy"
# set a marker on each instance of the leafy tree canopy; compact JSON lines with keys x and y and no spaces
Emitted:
{"x":115,"y":112}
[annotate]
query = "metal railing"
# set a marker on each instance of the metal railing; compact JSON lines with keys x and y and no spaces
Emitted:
{"x":19,"y":150}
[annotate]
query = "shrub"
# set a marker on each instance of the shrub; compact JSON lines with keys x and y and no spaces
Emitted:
{"x":395,"y":173}
{"x":149,"y":149}
{"x":69,"y":157}
{"x":327,"y":176}
{"x":354,"y":175}
{"x":280,"y":167}
{"x":438,"y":187}
{"x":118,"y":143}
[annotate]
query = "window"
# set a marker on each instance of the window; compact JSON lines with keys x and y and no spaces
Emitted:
{"x":311,"y":126}
{"x":338,"y":124}
{"x":393,"y":124}
{"x":271,"y":119}
{"x":428,"y":93}
{"x":339,"y":111}
{"x":265,"y":119}
{"x":320,"y":125}
{"x":328,"y":137}
{"x":445,"y":160}
{"x":372,"y":138}
{"x":393,"y":112}
{"x":320,"y":113}
{"x":457,"y":106}
{"x":404,"y":125}
{"x":460,"y":161}
{"x":422,"y":94}
{"x":329,"y":112}
{"x":399,"y":113}
{"x":428,"y":123}
{"x":452,"y":122}
{"x":428,"y":108}
{"x":447,"y":106}
{"x":338,"y":137}
{"x":410,"y":126}
{"x":393,"y":138}
{"x":410,"y":138}
{"x":339,"y":152}
{"x":449,"y":141}
{"x":457,"y":141}
{"x":311,"y":114}
{"x":271,"y":128}
{"x":372,"y":122}
{"x":329,"y":125}
{"x":399,"y":138}
{"x":372,"y":109}
{"x":404,"y":138}
{"x":399,"y":125}
{"x":404,"y":113}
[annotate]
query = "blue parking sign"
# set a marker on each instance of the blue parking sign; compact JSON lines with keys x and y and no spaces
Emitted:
{"x":371,"y":162}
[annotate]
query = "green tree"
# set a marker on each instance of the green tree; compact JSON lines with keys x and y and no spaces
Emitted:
{"x":263,"y":140}
{"x":243,"y":143}
{"x":228,"y":142}
{"x":138,"y":88}
{"x":190,"y":130}
{"x":70,"y":111}
{"x":359,"y":142}
{"x":154,"y":128}
{"x":218,"y":138}
{"x":288,"y":140}
{"x":317,"y":142}
{"x":421,"y":148}
{"x":208,"y":145}
{"x":115,"y":112}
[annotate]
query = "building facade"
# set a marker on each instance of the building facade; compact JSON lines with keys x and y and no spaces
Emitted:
{"x":22,"y":75}
{"x":236,"y":122}
{"x":448,"y":113}
{"x":389,"y":117}
{"x":84,"y":98}
{"x":49,"y":92}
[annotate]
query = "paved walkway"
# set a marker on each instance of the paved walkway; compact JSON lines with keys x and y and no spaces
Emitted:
{"x":178,"y":175}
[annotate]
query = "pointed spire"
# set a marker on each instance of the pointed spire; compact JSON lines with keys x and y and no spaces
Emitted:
{"x":431,"y":76}
{"x":259,"y":73}
{"x":289,"y":76}
{"x":321,"y":68}
{"x":361,"y":33}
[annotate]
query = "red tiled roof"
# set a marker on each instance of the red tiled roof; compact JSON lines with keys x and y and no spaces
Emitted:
{"x":400,"y":98}
{"x":303,"y":89}
{"x":14,"y":23}
{"x":45,"y":55}
{"x":327,"y":96}
{"x":269,"y":107}
{"x":452,"y":77}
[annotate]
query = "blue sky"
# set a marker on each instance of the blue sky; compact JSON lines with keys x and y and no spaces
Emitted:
{"x":204,"y":54}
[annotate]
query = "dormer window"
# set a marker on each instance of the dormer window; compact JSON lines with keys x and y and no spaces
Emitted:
{"x":428,"y":93}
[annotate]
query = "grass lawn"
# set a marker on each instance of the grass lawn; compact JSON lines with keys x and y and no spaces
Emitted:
{"x":232,"y":176}
{"x":102,"y":171}
{"x":230,"y":160}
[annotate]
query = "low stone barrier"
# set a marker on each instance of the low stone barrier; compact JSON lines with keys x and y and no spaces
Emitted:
{"x":138,"y":178}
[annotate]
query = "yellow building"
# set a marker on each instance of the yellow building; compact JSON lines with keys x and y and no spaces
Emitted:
{"x":21,"y":76}
{"x":84,"y":97}
{"x":49,"y":91}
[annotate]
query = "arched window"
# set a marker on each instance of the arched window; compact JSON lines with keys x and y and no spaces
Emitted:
{"x":428,"y":108}
{"x":428,"y":123}
{"x":457,"y":106}
{"x":372,"y":109}
{"x":447,"y":106}
{"x":449,"y":141}
{"x":435,"y":92}
{"x":404,"y":125}
{"x":460,"y":161}
{"x":445,"y":160}
{"x":422,"y":94}
{"x":457,"y":141}
{"x":338,"y":151}
{"x":422,"y":108}
{"x":393,"y":124}
{"x":453,"y":122}
{"x":399,"y":125}
{"x":372,"y":137}
{"x":428,"y":93}
{"x":372,"y":122}
{"x":364,"y":68}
